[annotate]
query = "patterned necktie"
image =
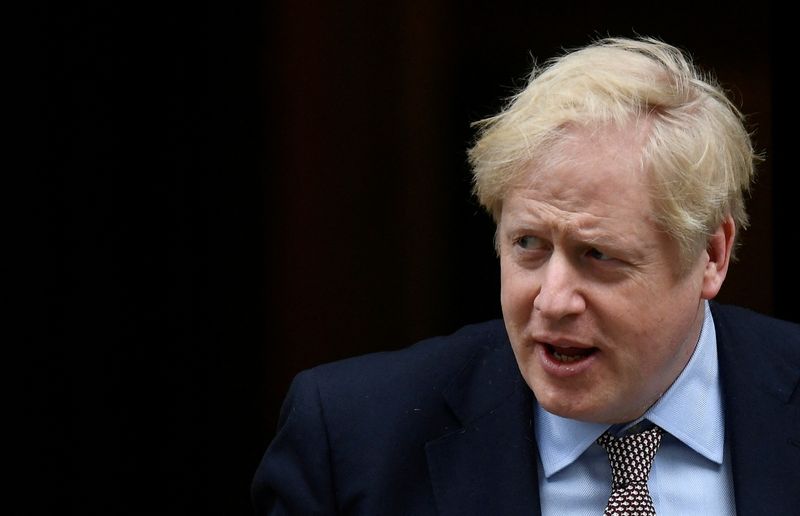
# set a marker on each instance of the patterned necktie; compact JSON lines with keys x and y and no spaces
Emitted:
{"x":631,"y":457}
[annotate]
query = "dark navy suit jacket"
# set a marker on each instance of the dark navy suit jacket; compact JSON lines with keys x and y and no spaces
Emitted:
{"x":445,"y":428}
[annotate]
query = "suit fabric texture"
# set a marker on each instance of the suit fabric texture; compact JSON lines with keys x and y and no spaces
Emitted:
{"x":445,"y":427}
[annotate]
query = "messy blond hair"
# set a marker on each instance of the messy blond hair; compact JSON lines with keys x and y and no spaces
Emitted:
{"x":697,"y":148}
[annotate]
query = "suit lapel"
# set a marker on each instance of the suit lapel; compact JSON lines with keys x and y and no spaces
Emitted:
{"x":489,"y":465}
{"x":761,"y":422}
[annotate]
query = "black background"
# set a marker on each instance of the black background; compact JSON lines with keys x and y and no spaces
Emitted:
{"x":232,"y":192}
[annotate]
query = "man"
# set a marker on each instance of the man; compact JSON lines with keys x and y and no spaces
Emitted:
{"x":616,"y":178}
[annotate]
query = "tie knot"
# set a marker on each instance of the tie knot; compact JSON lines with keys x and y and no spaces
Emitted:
{"x":631,"y":456}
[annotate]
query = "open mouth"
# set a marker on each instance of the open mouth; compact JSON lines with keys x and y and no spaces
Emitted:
{"x":569,"y":355}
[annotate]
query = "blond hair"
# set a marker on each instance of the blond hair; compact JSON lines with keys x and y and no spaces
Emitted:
{"x":697,"y":148}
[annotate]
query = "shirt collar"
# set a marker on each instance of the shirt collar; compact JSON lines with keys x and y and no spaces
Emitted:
{"x":690,"y":410}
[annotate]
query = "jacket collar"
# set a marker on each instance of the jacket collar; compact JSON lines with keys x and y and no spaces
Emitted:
{"x":488,"y":466}
{"x":763,"y":426}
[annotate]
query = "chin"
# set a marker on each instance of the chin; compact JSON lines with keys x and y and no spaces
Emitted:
{"x":566,"y":410}
{"x":589,"y":413}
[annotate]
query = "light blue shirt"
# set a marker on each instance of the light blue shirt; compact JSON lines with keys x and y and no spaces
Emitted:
{"x":691,"y":473}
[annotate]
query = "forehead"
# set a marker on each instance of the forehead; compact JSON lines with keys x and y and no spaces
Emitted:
{"x":591,"y":177}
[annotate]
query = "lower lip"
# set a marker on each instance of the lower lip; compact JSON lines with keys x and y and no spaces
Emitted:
{"x":555,"y":367}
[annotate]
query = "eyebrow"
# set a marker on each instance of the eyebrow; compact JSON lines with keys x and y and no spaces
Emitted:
{"x":590,"y":236}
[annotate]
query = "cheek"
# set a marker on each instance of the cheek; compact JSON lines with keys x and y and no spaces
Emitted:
{"x":635,"y":325}
{"x":655,"y":340}
{"x":517,"y":291}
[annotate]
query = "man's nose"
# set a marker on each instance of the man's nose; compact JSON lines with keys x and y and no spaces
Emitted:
{"x":560,"y":289}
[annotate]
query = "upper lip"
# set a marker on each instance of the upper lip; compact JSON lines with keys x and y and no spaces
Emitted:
{"x":561,"y":342}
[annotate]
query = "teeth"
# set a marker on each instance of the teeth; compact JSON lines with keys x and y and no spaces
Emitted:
{"x":566,"y":358}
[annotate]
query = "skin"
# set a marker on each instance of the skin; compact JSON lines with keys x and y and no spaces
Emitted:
{"x":586,"y":271}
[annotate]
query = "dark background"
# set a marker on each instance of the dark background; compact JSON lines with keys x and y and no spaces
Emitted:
{"x":232,"y":192}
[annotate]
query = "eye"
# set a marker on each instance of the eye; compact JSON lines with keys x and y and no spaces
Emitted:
{"x":598,"y":255}
{"x":528,"y":242}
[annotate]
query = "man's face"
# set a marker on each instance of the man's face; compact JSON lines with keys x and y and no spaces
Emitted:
{"x":600,"y":319}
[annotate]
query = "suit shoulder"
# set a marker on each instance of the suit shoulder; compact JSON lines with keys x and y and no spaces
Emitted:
{"x":764,"y":349}
{"x":749,"y":325}
{"x":426,"y":361}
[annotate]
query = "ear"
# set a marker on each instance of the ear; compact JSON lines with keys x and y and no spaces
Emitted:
{"x":720,"y":245}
